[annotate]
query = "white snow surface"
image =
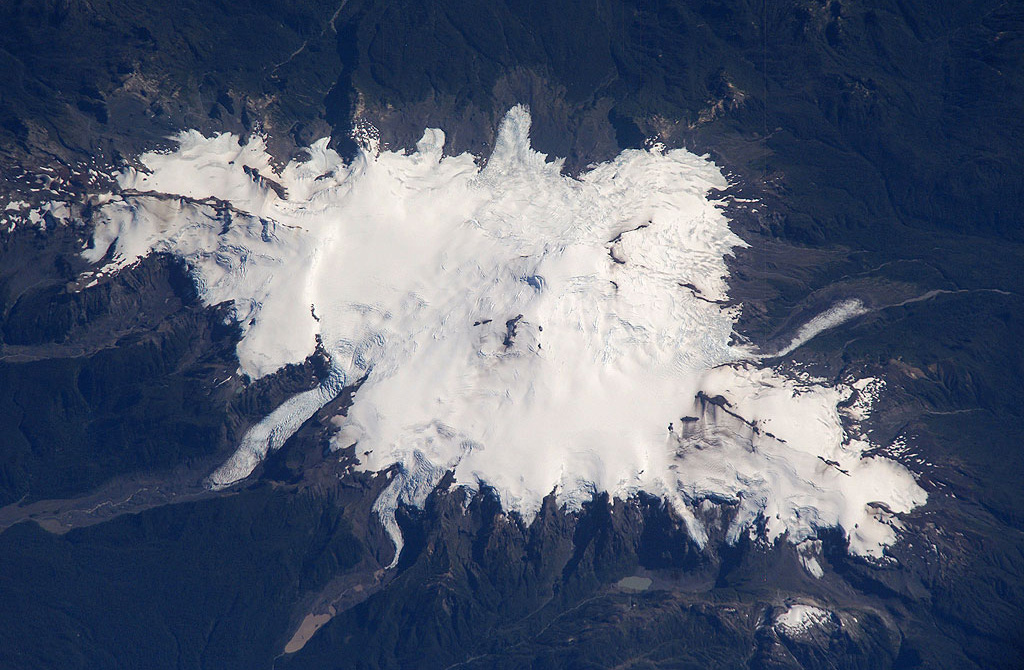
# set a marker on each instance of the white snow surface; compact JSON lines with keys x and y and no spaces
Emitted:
{"x":524,"y":329}
{"x":799,"y":620}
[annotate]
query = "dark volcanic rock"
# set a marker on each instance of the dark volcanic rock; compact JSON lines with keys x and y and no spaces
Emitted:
{"x":106,"y":381}
{"x":132,"y":375}
{"x":197,"y":585}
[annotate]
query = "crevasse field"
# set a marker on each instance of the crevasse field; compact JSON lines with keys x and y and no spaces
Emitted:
{"x":524,"y":329}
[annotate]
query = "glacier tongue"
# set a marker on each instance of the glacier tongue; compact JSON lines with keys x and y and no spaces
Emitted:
{"x":521,"y":328}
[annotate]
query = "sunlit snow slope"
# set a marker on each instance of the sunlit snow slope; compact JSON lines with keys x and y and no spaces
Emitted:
{"x":525,"y":329}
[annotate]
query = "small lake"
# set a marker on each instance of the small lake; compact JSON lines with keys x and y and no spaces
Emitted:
{"x":634,"y":583}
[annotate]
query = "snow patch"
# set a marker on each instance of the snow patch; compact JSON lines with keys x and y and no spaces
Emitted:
{"x":799,"y":620}
{"x":866,"y":392}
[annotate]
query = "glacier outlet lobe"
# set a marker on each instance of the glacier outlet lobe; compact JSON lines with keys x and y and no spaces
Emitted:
{"x":515,"y":326}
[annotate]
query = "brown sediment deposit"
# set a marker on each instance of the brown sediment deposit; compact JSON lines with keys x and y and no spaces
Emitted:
{"x":310,"y":625}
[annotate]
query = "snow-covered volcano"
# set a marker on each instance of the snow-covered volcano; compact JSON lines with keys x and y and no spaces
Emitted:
{"x":524,"y":329}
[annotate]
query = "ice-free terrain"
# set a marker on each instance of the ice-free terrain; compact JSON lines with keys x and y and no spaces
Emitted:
{"x":524,"y":329}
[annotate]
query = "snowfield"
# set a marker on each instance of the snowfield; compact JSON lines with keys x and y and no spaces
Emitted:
{"x":519,"y":327}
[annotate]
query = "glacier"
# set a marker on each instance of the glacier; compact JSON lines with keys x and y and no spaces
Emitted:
{"x":523,"y":329}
